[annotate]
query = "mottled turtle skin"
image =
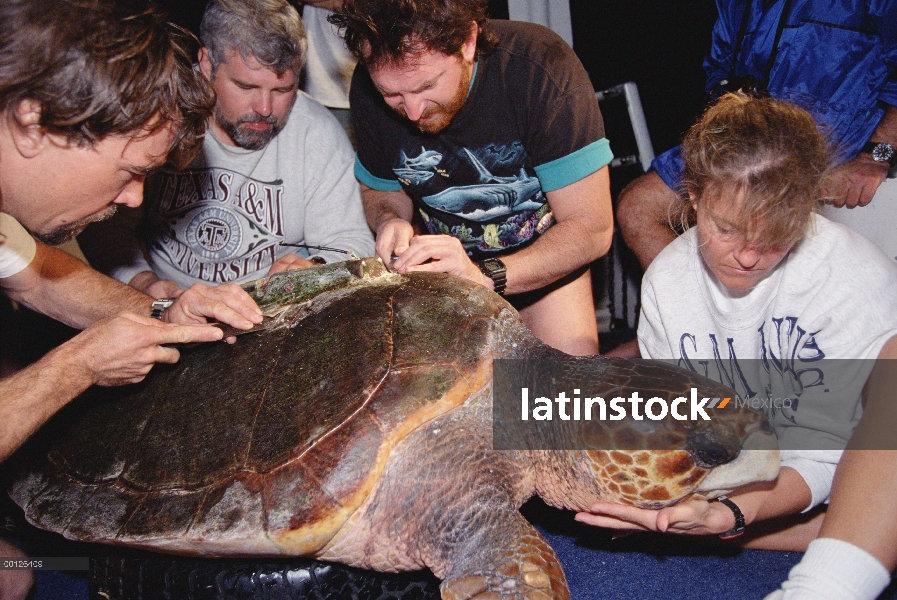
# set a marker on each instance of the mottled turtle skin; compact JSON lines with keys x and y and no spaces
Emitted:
{"x":356,"y":429}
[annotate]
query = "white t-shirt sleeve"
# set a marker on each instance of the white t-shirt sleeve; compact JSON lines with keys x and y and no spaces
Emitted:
{"x":817,"y":467}
{"x":652,"y":340}
{"x":657,"y":304}
{"x":17,"y":247}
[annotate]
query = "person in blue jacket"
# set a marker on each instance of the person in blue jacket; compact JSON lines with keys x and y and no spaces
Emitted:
{"x":836,"y":60}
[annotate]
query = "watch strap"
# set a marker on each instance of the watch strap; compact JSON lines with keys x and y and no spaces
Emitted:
{"x":882,"y":152}
{"x":495,"y":269}
{"x":159,"y":306}
{"x":739,"y":519}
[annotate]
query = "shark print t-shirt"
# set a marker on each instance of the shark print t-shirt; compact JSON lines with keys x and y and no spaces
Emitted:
{"x":530,"y":125}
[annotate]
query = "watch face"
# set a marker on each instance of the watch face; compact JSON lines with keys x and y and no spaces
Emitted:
{"x":493,"y":266}
{"x":883,"y":152}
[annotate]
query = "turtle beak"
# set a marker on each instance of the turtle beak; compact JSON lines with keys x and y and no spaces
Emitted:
{"x":758,"y":460}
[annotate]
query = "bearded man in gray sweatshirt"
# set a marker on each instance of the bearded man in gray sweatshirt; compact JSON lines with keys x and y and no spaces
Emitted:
{"x":275,"y":170}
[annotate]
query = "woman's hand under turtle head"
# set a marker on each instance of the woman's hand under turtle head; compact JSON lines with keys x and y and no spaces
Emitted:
{"x":692,"y":516}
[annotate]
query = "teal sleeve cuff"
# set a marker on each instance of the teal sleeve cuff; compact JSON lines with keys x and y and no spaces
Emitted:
{"x":376,"y":183}
{"x":571,"y":168}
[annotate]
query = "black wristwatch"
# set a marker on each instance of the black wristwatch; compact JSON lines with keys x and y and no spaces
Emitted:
{"x":883,"y":152}
{"x":495,"y":270}
{"x":158,"y":308}
{"x":739,"y":519}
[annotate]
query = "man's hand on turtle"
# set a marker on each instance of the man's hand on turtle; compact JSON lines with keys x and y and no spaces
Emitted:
{"x":439,"y":254}
{"x":148,"y":283}
{"x":226,"y":303}
{"x":393,"y":238}
{"x":122,"y":349}
{"x":854,"y":183}
{"x":289,"y":262}
{"x":164,"y":288}
{"x":695,"y":517}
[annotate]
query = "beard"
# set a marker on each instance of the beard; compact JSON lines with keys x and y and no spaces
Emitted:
{"x":67,"y":232}
{"x":440,"y":116}
{"x":248,"y":138}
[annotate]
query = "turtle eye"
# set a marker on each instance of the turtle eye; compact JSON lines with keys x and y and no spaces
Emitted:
{"x":710,"y":449}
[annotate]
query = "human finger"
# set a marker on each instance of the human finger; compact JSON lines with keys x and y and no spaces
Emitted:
{"x":418,"y":252}
{"x":122,"y":349}
{"x":403,"y":235}
{"x":852,"y":195}
{"x":289,"y":262}
{"x":459,"y":266}
{"x":866,"y":193}
{"x":189,"y":334}
{"x":697,"y":517}
{"x":227,"y":303}
{"x":643,"y":518}
{"x":394,"y":236}
{"x":835,"y":187}
{"x":433,"y":266}
{"x":164,"y":288}
{"x":834,"y":199}
{"x":425,"y":248}
{"x":607,"y":522}
{"x":236,"y":298}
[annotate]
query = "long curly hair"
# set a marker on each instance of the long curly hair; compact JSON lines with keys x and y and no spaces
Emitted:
{"x":767,"y":151}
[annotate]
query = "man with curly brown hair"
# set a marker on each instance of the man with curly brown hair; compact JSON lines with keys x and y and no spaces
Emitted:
{"x":492,"y":132}
{"x":93,"y":96}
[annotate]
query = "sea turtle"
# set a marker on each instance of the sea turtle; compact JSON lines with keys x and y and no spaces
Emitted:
{"x":357,"y":428}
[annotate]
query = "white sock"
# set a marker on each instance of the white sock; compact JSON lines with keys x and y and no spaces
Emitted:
{"x":836,"y":570}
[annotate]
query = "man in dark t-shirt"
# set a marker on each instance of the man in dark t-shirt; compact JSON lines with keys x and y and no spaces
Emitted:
{"x":490,"y":131}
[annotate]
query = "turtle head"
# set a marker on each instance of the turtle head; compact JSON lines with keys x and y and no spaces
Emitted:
{"x":661,"y":468}
{"x":663,"y":449}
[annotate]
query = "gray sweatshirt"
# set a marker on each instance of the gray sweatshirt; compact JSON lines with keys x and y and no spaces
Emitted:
{"x":223,"y":218}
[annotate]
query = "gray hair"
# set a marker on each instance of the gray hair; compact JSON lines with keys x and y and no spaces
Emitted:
{"x":268,"y":30}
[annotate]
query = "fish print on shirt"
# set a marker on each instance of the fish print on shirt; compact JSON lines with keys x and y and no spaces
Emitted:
{"x":218,"y":225}
{"x":495,"y":213}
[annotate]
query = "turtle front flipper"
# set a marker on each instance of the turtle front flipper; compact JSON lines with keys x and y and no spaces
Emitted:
{"x":505,"y":558}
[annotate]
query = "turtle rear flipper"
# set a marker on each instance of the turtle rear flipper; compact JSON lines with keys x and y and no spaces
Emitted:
{"x":506,"y":558}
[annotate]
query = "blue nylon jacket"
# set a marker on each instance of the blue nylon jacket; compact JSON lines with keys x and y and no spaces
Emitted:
{"x":836,"y":58}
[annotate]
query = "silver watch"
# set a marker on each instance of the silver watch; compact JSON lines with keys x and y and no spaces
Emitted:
{"x":881,"y":152}
{"x":158,"y":308}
